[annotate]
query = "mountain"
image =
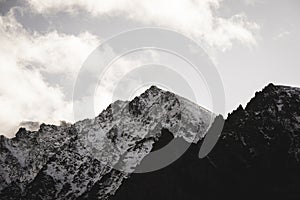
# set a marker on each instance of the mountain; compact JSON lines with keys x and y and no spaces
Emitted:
{"x":94,"y":156}
{"x":256,"y":156}
{"x":258,"y":150}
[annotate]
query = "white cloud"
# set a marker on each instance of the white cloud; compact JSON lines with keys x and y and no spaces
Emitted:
{"x":195,"y":18}
{"x":25,"y":56}
{"x":281,"y":35}
{"x":25,"y":95}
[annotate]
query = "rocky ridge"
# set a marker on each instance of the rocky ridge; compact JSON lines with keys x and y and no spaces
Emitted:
{"x":71,"y":161}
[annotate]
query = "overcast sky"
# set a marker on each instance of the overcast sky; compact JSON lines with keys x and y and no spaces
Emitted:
{"x":45,"y":43}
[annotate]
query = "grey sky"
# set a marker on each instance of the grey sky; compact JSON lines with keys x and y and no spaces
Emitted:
{"x":244,"y":67}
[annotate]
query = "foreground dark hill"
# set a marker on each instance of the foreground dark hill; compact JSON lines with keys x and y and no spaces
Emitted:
{"x":256,"y":157}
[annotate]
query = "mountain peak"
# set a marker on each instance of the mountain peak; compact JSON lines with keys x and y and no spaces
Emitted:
{"x":153,"y":91}
{"x":270,"y":86}
{"x":154,"y":88}
{"x":273,"y":87}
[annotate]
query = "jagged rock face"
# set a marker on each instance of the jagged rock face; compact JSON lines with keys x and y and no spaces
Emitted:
{"x":258,"y":150}
{"x":270,"y":121}
{"x":77,"y":161}
{"x":22,"y":157}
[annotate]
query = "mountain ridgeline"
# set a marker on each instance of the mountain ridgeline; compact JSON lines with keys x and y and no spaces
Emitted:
{"x":256,"y":156}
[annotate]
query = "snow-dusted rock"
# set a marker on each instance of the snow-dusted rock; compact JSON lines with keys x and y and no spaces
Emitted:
{"x":65,"y":162}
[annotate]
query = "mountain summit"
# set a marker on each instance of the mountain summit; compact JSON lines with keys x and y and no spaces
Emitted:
{"x":69,"y":162}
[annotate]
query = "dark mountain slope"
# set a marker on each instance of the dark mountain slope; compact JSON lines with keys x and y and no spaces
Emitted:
{"x":259,"y":146}
{"x":187,"y":178}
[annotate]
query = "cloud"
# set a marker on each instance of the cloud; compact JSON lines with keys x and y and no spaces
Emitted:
{"x":281,"y":35}
{"x":28,"y":57}
{"x":25,"y":94}
{"x":195,"y":18}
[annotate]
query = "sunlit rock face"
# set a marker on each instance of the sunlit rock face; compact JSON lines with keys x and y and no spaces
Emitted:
{"x":94,"y":156}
